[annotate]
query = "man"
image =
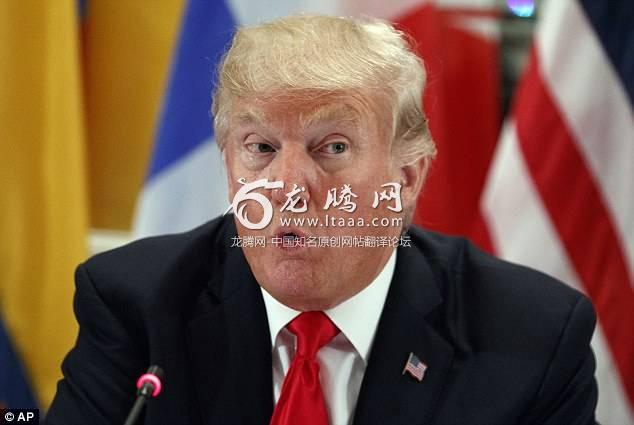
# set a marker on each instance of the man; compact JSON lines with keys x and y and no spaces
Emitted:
{"x":321,"y":126}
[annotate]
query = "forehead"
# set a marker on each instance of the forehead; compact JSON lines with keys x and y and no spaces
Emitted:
{"x":302,"y":111}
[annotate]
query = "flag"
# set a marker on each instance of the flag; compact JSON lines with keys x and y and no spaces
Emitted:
{"x":415,"y":367}
{"x":185,"y":185}
{"x":460,"y":47}
{"x":559,"y":194}
{"x":15,"y":388}
{"x":42,"y":198}
{"x":126,"y":50}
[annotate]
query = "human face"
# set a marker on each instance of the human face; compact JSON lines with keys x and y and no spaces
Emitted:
{"x":319,"y":144}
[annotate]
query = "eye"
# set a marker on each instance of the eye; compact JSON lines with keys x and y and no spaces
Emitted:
{"x":334,"y":148}
{"x":260,"y":148}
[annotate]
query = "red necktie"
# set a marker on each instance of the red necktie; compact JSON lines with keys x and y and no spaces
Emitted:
{"x":301,"y":400}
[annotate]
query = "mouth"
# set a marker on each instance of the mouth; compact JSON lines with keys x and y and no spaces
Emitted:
{"x":289,"y":239}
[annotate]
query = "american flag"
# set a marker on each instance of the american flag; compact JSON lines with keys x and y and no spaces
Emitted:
{"x":555,"y":191}
{"x":559,"y":194}
{"x":415,"y":367}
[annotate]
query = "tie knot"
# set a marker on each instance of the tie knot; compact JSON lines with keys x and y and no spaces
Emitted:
{"x":313,"y":330}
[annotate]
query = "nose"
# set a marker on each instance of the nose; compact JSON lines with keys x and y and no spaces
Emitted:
{"x":294,"y":166}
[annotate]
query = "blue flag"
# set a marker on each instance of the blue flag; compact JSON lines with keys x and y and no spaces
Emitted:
{"x":15,"y":391}
{"x":186,"y":183}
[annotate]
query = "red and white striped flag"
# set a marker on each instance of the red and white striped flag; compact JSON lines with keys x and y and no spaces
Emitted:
{"x":560,"y":192}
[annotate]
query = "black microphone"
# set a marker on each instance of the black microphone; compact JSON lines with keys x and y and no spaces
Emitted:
{"x":149,"y":386}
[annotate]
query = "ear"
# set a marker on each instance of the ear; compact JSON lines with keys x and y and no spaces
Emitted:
{"x":412,"y":179}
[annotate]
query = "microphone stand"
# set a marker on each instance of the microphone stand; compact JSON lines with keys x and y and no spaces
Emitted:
{"x":149,"y":386}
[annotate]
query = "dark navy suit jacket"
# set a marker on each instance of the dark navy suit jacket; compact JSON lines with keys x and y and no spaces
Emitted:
{"x":503,"y":344}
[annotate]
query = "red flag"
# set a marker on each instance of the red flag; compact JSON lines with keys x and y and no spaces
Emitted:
{"x":461,"y":52}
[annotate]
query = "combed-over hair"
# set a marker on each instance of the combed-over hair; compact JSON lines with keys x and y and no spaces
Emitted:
{"x":300,"y":56}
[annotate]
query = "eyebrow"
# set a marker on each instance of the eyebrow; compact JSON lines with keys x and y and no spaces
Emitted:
{"x":250,"y":116}
{"x":339,"y":112}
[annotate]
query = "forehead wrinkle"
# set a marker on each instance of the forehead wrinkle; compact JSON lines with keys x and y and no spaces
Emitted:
{"x":330,"y":113}
{"x":250,"y":116}
{"x":247,"y":115}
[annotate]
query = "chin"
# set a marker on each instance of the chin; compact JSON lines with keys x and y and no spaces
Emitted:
{"x":297,"y":289}
{"x":304,"y":302}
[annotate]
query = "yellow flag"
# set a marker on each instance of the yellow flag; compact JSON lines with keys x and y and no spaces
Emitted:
{"x":128,"y":47}
{"x":43,"y":215}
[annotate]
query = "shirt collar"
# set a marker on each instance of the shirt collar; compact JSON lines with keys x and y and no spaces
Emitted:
{"x":357,"y":317}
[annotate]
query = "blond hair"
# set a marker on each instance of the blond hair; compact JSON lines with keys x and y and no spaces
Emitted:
{"x":300,"y":55}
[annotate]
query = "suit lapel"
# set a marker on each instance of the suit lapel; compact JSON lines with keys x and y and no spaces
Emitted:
{"x":230,"y":348}
{"x":406,"y":326}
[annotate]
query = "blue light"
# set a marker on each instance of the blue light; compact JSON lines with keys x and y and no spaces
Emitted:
{"x":521,"y":8}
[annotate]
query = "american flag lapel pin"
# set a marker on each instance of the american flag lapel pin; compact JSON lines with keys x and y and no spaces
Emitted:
{"x":415,"y":367}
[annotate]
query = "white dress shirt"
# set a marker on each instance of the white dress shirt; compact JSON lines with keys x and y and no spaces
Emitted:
{"x":342,"y":361}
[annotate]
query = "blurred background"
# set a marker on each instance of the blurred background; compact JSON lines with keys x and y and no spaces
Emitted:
{"x":105,"y":136}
